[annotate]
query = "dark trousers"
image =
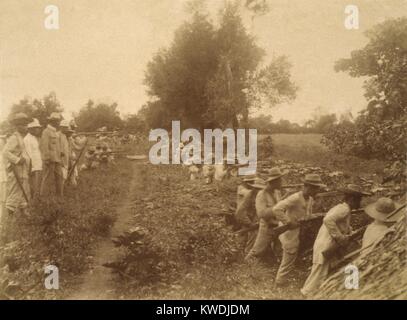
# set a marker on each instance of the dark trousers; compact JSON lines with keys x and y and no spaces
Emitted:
{"x":52,"y":170}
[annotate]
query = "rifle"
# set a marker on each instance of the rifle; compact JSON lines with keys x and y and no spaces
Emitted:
{"x":13,"y":168}
{"x":402,"y":207}
{"x":292,"y":186}
{"x":331,"y":252}
{"x":351,"y":255}
{"x":329,"y":194}
{"x":76,"y":161}
{"x":281,"y":229}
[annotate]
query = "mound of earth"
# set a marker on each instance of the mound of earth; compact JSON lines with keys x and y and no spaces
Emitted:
{"x":382,"y":272}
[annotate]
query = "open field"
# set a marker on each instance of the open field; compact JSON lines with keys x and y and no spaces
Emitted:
{"x":308,"y":149}
{"x":184,"y":249}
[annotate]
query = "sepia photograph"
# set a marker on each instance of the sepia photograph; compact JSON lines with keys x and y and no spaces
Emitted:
{"x":220,"y":151}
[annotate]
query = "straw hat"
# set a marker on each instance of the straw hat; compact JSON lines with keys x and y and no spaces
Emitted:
{"x":34,"y":124}
{"x":54,"y":116}
{"x":314,"y":179}
{"x":275,"y":173}
{"x":64,"y":123}
{"x":383,"y":209}
{"x":354,"y":189}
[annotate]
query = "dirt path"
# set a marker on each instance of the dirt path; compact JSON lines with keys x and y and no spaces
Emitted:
{"x":98,"y":282}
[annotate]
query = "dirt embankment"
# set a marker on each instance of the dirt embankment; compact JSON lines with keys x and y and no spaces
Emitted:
{"x":382,"y":272}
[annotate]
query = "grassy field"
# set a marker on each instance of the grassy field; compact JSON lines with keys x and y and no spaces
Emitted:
{"x":308,"y":149}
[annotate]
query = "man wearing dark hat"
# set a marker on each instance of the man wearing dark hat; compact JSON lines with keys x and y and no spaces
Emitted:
{"x":51,"y":155}
{"x":385,"y":213}
{"x":17,"y":164}
{"x":335,"y":229}
{"x":265,"y":201}
{"x":289,"y":211}
{"x":246,"y":211}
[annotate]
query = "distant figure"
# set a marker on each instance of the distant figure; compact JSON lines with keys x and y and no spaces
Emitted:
{"x":17,"y":163}
{"x":65,"y":152}
{"x":32,"y":145}
{"x":90,"y":159}
{"x":73,"y":179}
{"x":51,"y":152}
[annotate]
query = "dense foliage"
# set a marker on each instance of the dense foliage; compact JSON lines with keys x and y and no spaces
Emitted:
{"x":212,"y":74}
{"x":380,"y":131}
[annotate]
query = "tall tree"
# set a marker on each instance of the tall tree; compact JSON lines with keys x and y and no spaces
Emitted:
{"x":178,"y":76}
{"x":212,"y":76}
{"x":94,"y":116}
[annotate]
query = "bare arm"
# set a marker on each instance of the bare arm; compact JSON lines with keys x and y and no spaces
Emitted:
{"x":280,"y":209}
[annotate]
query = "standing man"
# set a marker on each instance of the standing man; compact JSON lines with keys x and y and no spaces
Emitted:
{"x":17,"y":164}
{"x":65,"y":152}
{"x":50,"y":146}
{"x":265,"y":201}
{"x":32,"y":145}
{"x":289,"y":211}
{"x":335,"y":229}
{"x":73,"y":180}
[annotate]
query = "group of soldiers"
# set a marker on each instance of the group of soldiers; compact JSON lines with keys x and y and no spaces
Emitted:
{"x":262,"y":210}
{"x":32,"y":157}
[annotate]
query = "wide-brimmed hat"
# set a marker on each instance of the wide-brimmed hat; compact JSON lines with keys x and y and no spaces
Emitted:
{"x":55,"y":116}
{"x":19,"y":118}
{"x":275,"y":173}
{"x":314,"y":179}
{"x":64,"y":123}
{"x":385,"y":210}
{"x":354,"y":189}
{"x":34,"y":124}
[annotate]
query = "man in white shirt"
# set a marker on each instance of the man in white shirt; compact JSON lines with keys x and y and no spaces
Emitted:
{"x":32,"y":146}
{"x":289,"y":211}
{"x":335,"y":230}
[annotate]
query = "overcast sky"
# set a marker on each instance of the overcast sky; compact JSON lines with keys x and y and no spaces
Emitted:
{"x":102,"y":48}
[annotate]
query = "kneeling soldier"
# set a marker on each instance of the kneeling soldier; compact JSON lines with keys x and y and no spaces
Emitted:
{"x":265,"y":201}
{"x":246,"y":211}
{"x":289,"y":211}
{"x":335,"y":229}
